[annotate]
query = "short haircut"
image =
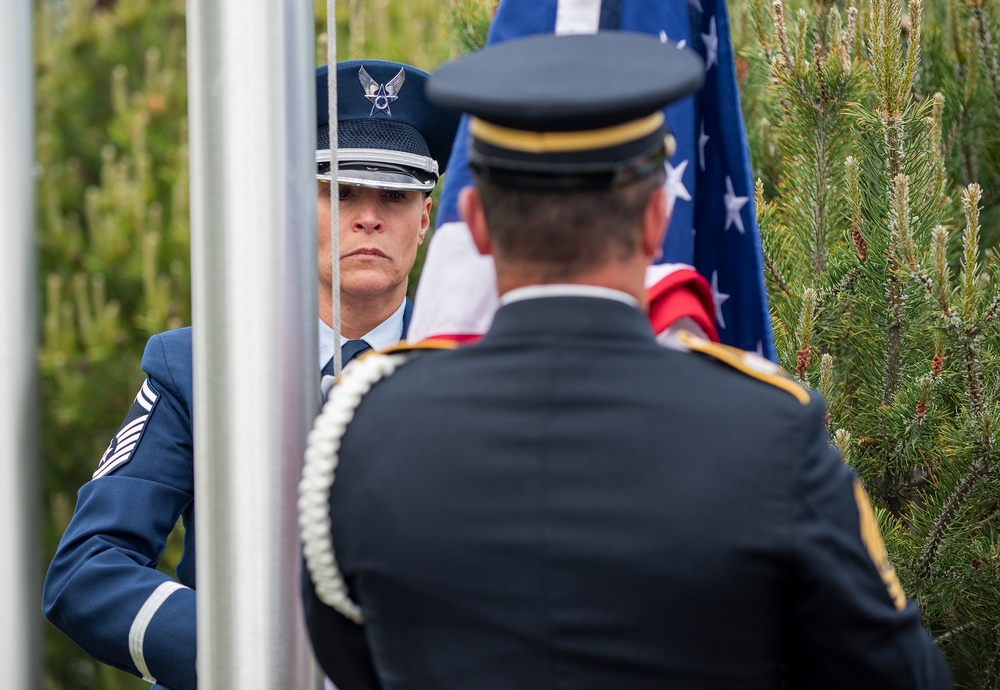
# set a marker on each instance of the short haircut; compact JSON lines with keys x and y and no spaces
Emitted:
{"x":565,"y":233}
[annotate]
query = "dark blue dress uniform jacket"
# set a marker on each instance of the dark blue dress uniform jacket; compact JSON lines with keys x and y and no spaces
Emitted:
{"x":103,"y":574}
{"x":567,"y":504}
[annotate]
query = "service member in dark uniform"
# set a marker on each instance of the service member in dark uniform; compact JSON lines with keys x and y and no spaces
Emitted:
{"x":566,"y":504}
{"x":102,"y":588}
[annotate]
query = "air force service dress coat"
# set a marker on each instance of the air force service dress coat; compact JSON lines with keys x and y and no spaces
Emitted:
{"x":102,"y":588}
{"x":567,"y":504}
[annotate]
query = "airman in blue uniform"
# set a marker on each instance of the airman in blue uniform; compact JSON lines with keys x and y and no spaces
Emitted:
{"x":102,"y":588}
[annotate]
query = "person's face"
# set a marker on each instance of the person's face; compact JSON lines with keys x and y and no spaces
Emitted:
{"x":380,"y":231}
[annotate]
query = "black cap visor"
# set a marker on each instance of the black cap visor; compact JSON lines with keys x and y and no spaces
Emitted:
{"x":377,"y":174}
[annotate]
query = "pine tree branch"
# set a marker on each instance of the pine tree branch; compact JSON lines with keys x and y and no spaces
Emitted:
{"x":894,"y":335}
{"x":988,"y":517}
{"x":973,"y":383}
{"x":956,"y":130}
{"x":943,"y":523}
{"x":924,"y":280}
{"x":819,"y":250}
{"x":846,"y":283}
{"x":990,"y":197}
{"x":917,"y":481}
{"x":970,"y":163}
{"x":893,"y":144}
{"x":993,"y":309}
{"x":954,"y":632}
{"x":986,"y":47}
{"x":992,"y":681}
{"x":772,"y":269}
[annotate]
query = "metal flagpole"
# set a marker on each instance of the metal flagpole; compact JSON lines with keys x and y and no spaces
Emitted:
{"x":254,"y":304}
{"x":20,"y":580}
{"x":331,"y":59}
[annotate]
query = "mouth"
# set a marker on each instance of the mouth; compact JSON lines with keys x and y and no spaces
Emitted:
{"x":369,"y":252}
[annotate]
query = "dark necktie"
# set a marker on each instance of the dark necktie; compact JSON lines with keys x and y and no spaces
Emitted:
{"x":350,"y":350}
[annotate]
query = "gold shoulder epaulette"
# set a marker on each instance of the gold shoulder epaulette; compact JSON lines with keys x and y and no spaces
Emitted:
{"x":433,"y":344}
{"x":749,"y":363}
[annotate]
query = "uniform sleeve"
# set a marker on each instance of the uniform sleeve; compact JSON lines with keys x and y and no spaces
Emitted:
{"x":852,"y":624}
{"x":102,"y":589}
{"x":338,"y":643}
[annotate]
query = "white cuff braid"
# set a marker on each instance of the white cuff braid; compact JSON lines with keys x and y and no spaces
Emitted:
{"x":321,"y":459}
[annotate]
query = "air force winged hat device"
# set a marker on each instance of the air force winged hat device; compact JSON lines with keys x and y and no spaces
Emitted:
{"x":389,"y":136}
{"x":568,"y":112}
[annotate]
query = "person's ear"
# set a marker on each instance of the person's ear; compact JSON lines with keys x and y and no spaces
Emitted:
{"x":654,"y":224}
{"x":470,"y":208}
{"x":425,"y":220}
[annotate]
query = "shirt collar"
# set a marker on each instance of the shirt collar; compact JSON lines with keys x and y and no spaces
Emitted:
{"x":384,"y":335}
{"x":567,"y":290}
{"x":387,"y":333}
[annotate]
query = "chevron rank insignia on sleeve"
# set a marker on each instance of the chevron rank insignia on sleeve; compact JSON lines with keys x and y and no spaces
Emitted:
{"x":127,"y":439}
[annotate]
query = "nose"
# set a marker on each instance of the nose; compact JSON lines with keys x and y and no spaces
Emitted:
{"x":366,"y":215}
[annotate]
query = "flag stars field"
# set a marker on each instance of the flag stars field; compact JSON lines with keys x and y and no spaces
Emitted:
{"x":702,"y":142}
{"x":711,"y":40}
{"x":719,"y":298}
{"x":675,"y":184}
{"x":664,"y":38}
{"x":733,"y":205}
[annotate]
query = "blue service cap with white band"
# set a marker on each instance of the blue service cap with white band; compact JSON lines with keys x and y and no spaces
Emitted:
{"x":389,"y":136}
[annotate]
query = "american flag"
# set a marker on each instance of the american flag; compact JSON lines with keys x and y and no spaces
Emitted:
{"x":714,"y":225}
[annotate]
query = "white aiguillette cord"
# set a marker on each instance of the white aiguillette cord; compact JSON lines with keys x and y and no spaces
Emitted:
{"x":318,"y":473}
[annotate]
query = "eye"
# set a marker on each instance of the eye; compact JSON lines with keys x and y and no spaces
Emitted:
{"x":345,"y":192}
{"x":395,"y":195}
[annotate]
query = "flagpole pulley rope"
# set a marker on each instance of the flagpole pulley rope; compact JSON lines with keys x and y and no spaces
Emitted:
{"x":331,"y":59}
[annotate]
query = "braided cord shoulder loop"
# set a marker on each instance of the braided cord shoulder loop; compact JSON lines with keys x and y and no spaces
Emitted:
{"x":321,"y":459}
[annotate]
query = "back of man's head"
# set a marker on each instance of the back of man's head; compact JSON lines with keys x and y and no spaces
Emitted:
{"x":566,"y":233}
{"x":568,"y":142}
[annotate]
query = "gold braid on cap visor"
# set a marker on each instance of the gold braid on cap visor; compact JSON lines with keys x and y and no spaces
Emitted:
{"x":563,"y":142}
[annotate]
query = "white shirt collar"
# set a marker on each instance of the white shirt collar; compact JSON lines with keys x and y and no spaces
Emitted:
{"x":387,"y":333}
{"x":384,"y":335}
{"x":567,"y":290}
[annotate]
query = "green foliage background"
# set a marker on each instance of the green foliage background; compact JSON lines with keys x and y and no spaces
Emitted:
{"x":873,"y":135}
{"x":872,"y":130}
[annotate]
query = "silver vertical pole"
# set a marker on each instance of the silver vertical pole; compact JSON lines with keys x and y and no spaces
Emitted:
{"x":254,"y":304}
{"x":334,"y":229}
{"x":20,"y":581}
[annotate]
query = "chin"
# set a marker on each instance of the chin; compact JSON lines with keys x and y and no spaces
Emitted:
{"x":367,"y":286}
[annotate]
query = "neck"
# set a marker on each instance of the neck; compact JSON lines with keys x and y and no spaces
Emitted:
{"x":625,"y":276}
{"x":359,"y":314}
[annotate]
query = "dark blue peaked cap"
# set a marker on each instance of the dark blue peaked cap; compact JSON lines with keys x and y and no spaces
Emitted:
{"x":389,"y":136}
{"x":568,"y":112}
